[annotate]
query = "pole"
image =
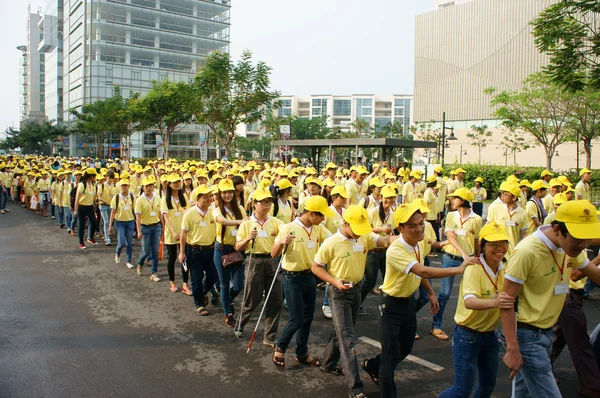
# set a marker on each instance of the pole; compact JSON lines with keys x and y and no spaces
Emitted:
{"x":577,"y":143}
{"x":238,"y":330}
{"x":443,"y":136}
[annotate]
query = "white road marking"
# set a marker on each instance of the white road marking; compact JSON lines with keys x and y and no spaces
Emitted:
{"x":411,"y":358}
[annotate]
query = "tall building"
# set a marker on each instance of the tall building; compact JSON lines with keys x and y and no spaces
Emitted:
{"x":51,"y":45}
{"x":463,"y":48}
{"x":343,"y":110}
{"x":130,"y":43}
{"x":32,"y":74}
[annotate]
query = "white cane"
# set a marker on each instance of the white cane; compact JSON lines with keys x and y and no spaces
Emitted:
{"x":238,"y":324}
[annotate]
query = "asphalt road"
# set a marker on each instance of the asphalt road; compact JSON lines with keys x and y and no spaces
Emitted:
{"x":75,"y":324}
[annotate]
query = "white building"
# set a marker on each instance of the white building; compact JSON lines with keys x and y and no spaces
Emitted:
{"x":31,"y":74}
{"x":343,"y":110}
{"x":51,"y":45}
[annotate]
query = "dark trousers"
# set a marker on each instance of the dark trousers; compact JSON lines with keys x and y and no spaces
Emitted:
{"x":571,"y":330}
{"x":478,"y":208}
{"x":172,"y":250}
{"x":301,"y":294}
{"x":436,"y":228}
{"x":397,"y":328}
{"x":200,"y":264}
{"x":260,"y":272}
{"x":375,"y":264}
{"x":83,"y":212}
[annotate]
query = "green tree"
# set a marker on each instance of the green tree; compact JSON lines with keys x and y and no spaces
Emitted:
{"x":361,"y":127}
{"x":95,"y":121}
{"x":584,"y":125}
{"x":252,"y":148}
{"x":228,"y":94}
{"x":513,"y":142}
{"x":480,"y":137}
{"x":393,"y":129}
{"x":425,"y":132}
{"x":127,"y":116}
{"x":540,"y":108}
{"x":33,"y":136}
{"x":568,"y":32}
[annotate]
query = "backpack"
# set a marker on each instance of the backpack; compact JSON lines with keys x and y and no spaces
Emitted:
{"x":132,"y":200}
{"x":366,"y":202}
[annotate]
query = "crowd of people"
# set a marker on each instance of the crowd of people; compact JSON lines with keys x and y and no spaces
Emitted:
{"x":280,"y":231}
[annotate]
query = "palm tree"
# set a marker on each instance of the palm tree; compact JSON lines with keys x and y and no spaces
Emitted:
{"x":394,"y":129}
{"x":361,"y":127}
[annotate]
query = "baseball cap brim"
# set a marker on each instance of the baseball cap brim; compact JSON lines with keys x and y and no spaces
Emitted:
{"x":584,"y":230}
{"x":495,"y":237}
{"x":361,"y":228}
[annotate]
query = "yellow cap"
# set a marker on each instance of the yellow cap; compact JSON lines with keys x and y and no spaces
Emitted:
{"x":328,"y":182}
{"x":416,"y":173}
{"x":358,"y":219}
{"x":284,"y":183}
{"x":123,"y":181}
{"x":546,"y":173}
{"x":510,"y":188}
{"x":583,"y":171}
{"x":330,"y":165}
{"x":318,"y":204}
{"x":339,"y":190}
{"x":147,"y":181}
{"x":362,"y":170}
{"x":538,"y":184}
{"x":261,"y":194}
{"x":581,"y":219}
{"x":294,"y":160}
{"x":201,"y":190}
{"x":512,"y":178}
{"x":91,"y":171}
{"x":460,"y":170}
{"x":388,"y":192}
{"x":314,"y":180}
{"x":462,"y":193}
{"x":432,"y":178}
{"x":478,"y":179}
{"x":226,"y":185}
{"x":559,"y":198}
{"x":564,"y":180}
{"x":493,"y":232}
{"x":124,"y":174}
{"x":438,"y":169}
{"x":525,"y":183}
{"x":377,"y":182}
{"x":174,"y":178}
{"x":404,"y":212}
{"x":421,"y":204}
{"x":554,"y":183}
{"x":187,"y":176}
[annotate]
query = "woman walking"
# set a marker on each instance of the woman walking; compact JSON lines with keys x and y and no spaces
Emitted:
{"x":84,"y":205}
{"x":282,"y":204}
{"x":148,"y":226}
{"x":106,"y":192}
{"x":122,"y":215}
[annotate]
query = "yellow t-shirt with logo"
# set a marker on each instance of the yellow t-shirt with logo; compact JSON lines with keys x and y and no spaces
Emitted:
{"x":479,"y":195}
{"x":148,"y":209}
{"x":86,"y":193}
{"x":125,"y":211}
{"x":175,"y":216}
{"x":300,"y":253}
{"x":107,"y":192}
{"x":583,"y":190}
{"x":478,"y":281}
{"x":513,"y":221}
{"x":356,"y":191}
{"x":54,"y":188}
{"x":376,"y":221}
{"x":346,"y":258}
{"x":532,"y":212}
{"x":284,"y":213}
{"x":399,"y":260}
{"x":336,"y":222}
{"x":466,"y":230}
{"x":201,"y":227}
{"x":432,"y":203}
{"x":429,"y":240}
{"x":65,"y":193}
{"x":267,"y":232}
{"x":535,"y":265}
{"x":42,"y":185}
{"x":29,"y":187}
{"x":371,"y":204}
{"x":230,"y":231}
{"x":410,"y":192}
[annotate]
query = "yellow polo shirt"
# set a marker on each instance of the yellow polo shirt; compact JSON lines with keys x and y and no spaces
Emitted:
{"x":399,"y":260}
{"x":54,"y":187}
{"x":429,"y":240}
{"x":148,"y":209}
{"x":125,"y":210}
{"x":42,"y":185}
{"x":346,"y":258}
{"x":267,"y":232}
{"x":107,"y":192}
{"x":466,"y":230}
{"x":65,"y":194}
{"x":284,"y":213}
{"x":230,"y":231}
{"x":478,"y":281}
{"x":479,"y":195}
{"x":432,"y":203}
{"x":513,"y":221}
{"x":29,"y":187}
{"x":548,"y":202}
{"x":535,"y":265}
{"x":301,"y":252}
{"x":583,"y":190}
{"x":175,"y":216}
{"x":410,"y":192}
{"x":86,"y":193}
{"x":336,"y":222}
{"x":134,"y":185}
{"x":356,"y":191}
{"x":201,"y":227}
{"x":442,"y":193}
{"x":376,"y":221}
{"x":372,"y":202}
{"x":532,"y":212}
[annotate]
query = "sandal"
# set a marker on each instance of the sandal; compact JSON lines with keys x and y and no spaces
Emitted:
{"x":439,"y":334}
{"x":417,"y":337}
{"x":279,"y":361}
{"x":202,"y":311}
{"x":374,"y":376}
{"x":309,"y":361}
{"x":338,"y":371}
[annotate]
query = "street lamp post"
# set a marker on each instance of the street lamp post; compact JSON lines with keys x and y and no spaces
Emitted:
{"x":451,"y":137}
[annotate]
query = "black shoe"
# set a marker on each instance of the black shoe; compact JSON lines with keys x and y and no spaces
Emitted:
{"x":374,"y":376}
{"x":229,"y":320}
{"x":214,"y":299}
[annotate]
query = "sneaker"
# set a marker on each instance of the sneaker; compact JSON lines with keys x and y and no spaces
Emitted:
{"x":54,"y":218}
{"x":62,"y":226}
{"x":154,"y":277}
{"x":82,"y":246}
{"x":362,"y":310}
{"x":229,"y":320}
{"x":130,"y":266}
{"x":108,"y":243}
{"x":174,"y":288}
{"x":69,"y":231}
{"x":117,"y":259}
{"x":187,"y":291}
{"x":269,"y":343}
{"x":140,"y":272}
{"x":92,"y":241}
{"x":326,"y":311}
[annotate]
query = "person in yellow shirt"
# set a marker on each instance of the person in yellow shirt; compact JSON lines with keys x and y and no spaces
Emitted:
{"x":149,"y":226}
{"x":261,"y":230}
{"x":410,"y":189}
{"x":357,"y":188}
{"x":536,"y":212}
{"x":538,"y":274}
{"x":65,"y":201}
{"x":282,"y":207}
{"x":106,"y":192}
{"x":479,"y":196}
{"x":297,"y":243}
{"x":405,"y":273}
{"x":84,"y":206}
{"x":197,"y":243}
{"x":525,"y":194}
{"x":582,"y":189}
{"x":172,"y":207}
{"x":510,"y":214}
{"x":29,"y":185}
{"x":554,"y":188}
{"x":313,"y":187}
{"x":57,"y":198}
{"x":54,"y":186}
{"x":43,"y":186}
{"x":403,"y":173}
{"x":475,"y":345}
{"x":558,"y":200}
{"x":462,"y":229}
{"x":345,"y":255}
{"x":122,"y":215}
{"x":229,"y":216}
{"x":373,"y":197}
{"x":432,"y":200}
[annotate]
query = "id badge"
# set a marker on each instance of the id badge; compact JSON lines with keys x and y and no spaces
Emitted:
{"x":152,"y":214}
{"x":126,"y":207}
{"x":310,"y":244}
{"x":461,"y":232}
{"x":478,"y":197}
{"x":511,"y":223}
{"x":177,"y":214}
{"x":357,"y":247}
{"x":234,"y":232}
{"x":203,"y":223}
{"x":561,"y":288}
{"x":262,"y":234}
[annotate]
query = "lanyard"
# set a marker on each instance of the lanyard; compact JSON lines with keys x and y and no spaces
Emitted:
{"x":495,"y":284}
{"x":418,"y":255}
{"x":513,"y":213}
{"x":560,"y":267}
{"x":262,"y":224}
{"x":307,"y":231}
{"x":461,"y":220}
{"x":150,"y":202}
{"x":340,"y":211}
{"x":202,"y":214}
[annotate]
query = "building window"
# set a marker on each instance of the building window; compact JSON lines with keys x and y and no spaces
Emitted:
{"x":162,"y":77}
{"x":364,"y":108}
{"x":108,"y":72}
{"x":319,"y":107}
{"x":381,"y":122}
{"x":136,"y":75}
{"x":286,"y":103}
{"x":342,"y":107}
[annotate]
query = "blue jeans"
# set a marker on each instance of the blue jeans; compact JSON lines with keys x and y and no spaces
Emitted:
{"x":125,"y":231}
{"x":326,"y":297}
{"x":200,"y":263}
{"x":68,"y":217}
{"x":60,"y":215}
{"x":535,"y":379}
{"x":473,"y":352}
{"x":150,"y":242}
{"x":445,"y":290}
{"x":105,"y":212}
{"x":344,"y":308}
{"x":226,"y":277}
{"x":3,"y":198}
{"x":301,"y":294}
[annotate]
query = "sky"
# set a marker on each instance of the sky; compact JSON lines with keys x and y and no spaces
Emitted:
{"x":314,"y":46}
